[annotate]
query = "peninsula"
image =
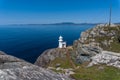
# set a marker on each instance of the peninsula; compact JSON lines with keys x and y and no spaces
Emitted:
{"x":96,"y":53}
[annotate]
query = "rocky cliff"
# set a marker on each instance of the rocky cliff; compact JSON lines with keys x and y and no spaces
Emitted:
{"x":96,"y":52}
{"x":12,"y":68}
{"x":91,"y":43}
{"x":98,"y":39}
{"x":105,"y":37}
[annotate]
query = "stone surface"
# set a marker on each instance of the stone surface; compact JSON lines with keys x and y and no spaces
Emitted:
{"x":83,"y":53}
{"x":108,"y":58}
{"x":12,"y":68}
{"x":50,"y":55}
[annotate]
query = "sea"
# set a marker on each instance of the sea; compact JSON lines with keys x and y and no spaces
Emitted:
{"x":28,"y":42}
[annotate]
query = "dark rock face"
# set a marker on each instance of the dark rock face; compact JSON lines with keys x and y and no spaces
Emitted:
{"x":83,"y":53}
{"x":50,"y":55}
{"x":12,"y":68}
{"x":119,"y":39}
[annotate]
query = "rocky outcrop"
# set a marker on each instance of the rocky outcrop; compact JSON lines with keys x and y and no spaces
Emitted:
{"x":92,"y":42}
{"x":12,"y":68}
{"x":83,"y":53}
{"x":108,"y":58}
{"x":106,"y":37}
{"x":78,"y":53}
{"x":50,"y":55}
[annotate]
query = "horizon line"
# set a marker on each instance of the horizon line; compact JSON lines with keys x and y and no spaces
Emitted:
{"x":57,"y":23}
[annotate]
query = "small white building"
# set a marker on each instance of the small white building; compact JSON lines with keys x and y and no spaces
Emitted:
{"x":61,"y":43}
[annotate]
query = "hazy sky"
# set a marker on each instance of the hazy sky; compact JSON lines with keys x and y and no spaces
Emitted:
{"x":52,"y":11}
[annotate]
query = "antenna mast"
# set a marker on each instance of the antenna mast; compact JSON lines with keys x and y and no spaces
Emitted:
{"x":110,"y":15}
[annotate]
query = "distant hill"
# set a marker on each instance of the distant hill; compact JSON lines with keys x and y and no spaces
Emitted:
{"x":69,"y":23}
{"x":62,"y":23}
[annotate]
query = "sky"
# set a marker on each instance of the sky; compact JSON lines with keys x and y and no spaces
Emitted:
{"x":55,"y":11}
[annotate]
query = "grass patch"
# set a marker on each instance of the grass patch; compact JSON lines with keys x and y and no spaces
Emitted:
{"x":115,"y":47}
{"x":94,"y":73}
{"x":64,"y":63}
{"x":91,"y":73}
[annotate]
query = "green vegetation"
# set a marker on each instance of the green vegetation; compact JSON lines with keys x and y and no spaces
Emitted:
{"x":107,"y":28}
{"x":115,"y":45}
{"x":118,"y":34}
{"x":98,"y":72}
{"x":102,"y":38}
{"x":64,"y":63}
{"x":95,"y":73}
{"x":118,"y":39}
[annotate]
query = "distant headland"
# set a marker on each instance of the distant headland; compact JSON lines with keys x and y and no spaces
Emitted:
{"x":61,"y":23}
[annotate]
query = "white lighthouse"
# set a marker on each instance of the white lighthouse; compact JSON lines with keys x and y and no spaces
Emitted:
{"x":61,"y":43}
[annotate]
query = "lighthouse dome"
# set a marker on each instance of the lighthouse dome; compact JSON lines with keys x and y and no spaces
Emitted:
{"x":60,"y":37}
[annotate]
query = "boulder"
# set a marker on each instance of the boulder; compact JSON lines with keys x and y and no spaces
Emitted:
{"x":49,"y":55}
{"x":12,"y":68}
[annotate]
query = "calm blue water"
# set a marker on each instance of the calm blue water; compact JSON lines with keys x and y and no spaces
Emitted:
{"x":29,"y":41}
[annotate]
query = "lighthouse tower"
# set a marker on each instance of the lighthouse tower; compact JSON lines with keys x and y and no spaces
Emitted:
{"x":61,"y":43}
